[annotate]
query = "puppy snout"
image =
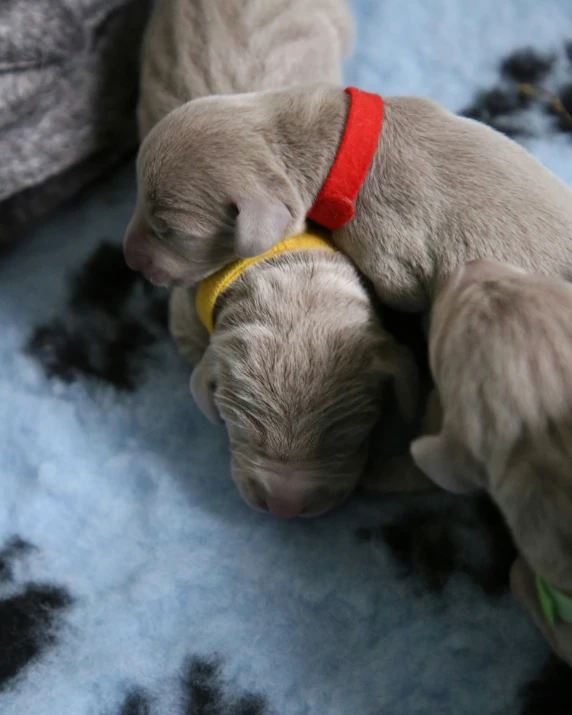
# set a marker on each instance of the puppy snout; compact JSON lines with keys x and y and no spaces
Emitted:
{"x":289,"y":494}
{"x":284,"y":508}
{"x":137,"y":261}
{"x":287,"y":501}
{"x":133,"y":246}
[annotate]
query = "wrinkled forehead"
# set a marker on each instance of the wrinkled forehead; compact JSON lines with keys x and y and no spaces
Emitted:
{"x":283,"y":422}
{"x":182,"y":199}
{"x":170,"y":177}
{"x":211,"y":142}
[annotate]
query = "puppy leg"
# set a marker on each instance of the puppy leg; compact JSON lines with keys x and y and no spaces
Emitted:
{"x":188,"y":332}
{"x":445,"y":461}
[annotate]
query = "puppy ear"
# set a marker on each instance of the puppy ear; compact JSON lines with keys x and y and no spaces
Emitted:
{"x":260,"y":224}
{"x":203,"y":387}
{"x":445,"y":463}
{"x":483,"y":269}
{"x":398,"y":363}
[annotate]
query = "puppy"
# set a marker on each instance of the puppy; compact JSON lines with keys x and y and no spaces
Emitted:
{"x":296,"y":368}
{"x":196,"y":48}
{"x":501,"y":356}
{"x":222,"y":177}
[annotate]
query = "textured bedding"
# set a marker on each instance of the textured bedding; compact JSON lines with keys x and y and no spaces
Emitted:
{"x":134,"y":581}
{"x":68,"y":86}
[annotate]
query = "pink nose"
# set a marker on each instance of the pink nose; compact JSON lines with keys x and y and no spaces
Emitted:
{"x":137,"y":261}
{"x":136,"y":257}
{"x":284,"y":508}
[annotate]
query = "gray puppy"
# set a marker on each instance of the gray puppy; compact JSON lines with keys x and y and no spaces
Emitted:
{"x":230,"y":176}
{"x":296,"y":368}
{"x":195,"y":48}
{"x":501,"y":355}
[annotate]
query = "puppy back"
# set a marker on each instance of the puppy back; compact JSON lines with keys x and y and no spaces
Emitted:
{"x":195,"y":48}
{"x":501,"y":352}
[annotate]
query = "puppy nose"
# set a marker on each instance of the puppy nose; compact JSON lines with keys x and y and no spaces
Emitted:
{"x":284,"y":508}
{"x":136,"y":258}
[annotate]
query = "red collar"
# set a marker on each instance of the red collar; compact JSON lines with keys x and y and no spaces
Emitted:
{"x":335,"y":205}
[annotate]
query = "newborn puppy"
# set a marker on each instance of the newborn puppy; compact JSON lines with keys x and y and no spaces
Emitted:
{"x":295,"y":367}
{"x":195,"y":48}
{"x":230,"y":176}
{"x":501,"y":356}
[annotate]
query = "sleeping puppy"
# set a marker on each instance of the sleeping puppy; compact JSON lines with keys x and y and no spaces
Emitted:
{"x":296,"y":367}
{"x":222,"y":177}
{"x":196,"y":48}
{"x":501,"y":356}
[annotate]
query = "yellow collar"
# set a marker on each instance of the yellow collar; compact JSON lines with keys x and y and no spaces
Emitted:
{"x":211,"y":288}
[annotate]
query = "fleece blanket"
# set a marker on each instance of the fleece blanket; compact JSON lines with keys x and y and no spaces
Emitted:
{"x":68,"y":86}
{"x":134,"y":581}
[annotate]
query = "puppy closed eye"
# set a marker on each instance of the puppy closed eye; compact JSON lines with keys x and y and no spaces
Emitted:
{"x":159,"y":230}
{"x":223,"y":224}
{"x":165,"y":234}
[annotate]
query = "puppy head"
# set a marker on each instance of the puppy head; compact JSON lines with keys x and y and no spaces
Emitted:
{"x":466,"y":283}
{"x":299,"y":404}
{"x":209,"y":190}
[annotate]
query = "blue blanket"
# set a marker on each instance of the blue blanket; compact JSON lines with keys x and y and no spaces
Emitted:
{"x":134,"y":581}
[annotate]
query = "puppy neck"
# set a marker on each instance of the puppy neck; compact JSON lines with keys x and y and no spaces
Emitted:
{"x":305,"y":132}
{"x":335,"y":204}
{"x":212,"y":287}
{"x":326,"y":138}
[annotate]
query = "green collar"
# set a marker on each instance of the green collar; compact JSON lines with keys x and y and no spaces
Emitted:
{"x":556,"y":605}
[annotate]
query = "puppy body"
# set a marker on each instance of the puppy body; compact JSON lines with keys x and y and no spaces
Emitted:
{"x":295,"y":368}
{"x":195,"y":48}
{"x":442,"y":190}
{"x":501,"y":355}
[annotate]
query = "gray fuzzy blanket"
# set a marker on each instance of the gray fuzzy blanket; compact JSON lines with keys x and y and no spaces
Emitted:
{"x":68,"y":87}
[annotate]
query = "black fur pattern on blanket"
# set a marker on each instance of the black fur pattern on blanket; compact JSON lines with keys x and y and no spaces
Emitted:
{"x":28,"y":626}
